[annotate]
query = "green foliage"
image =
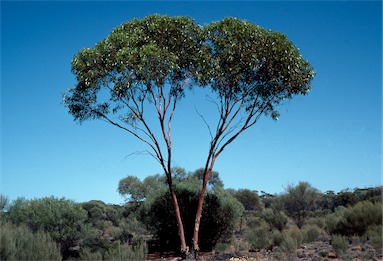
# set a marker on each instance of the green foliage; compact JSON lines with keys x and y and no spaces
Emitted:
{"x":374,"y":236}
{"x":256,"y":65}
{"x":133,"y":187}
{"x":249,"y":199}
{"x":63,"y":219}
{"x":20,"y":243}
{"x":296,"y":234}
{"x":264,"y":229}
{"x":339,"y":243}
{"x":260,"y":65}
{"x":136,"y":60}
{"x":4,"y":202}
{"x":276,"y":219}
{"x":357,"y":219}
{"x":217,"y":224}
{"x":289,"y":246}
{"x":118,"y":251}
{"x":310,"y":233}
{"x":220,"y":214}
{"x":299,"y":201}
{"x":259,"y":235}
{"x":221,"y":247}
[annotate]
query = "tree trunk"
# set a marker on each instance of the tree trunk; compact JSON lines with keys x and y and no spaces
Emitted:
{"x":181,"y":232}
{"x":199,"y":209}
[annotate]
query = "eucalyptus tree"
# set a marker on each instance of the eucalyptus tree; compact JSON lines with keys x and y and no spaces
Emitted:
{"x":146,"y":65}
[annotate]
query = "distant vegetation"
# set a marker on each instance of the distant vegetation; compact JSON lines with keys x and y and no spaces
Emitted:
{"x":233,"y":220}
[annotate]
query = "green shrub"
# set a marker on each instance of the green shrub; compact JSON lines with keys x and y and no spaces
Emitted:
{"x":117,"y":251}
{"x":221,"y":247}
{"x":240,"y":245}
{"x":20,"y":243}
{"x":87,"y":254}
{"x":249,"y":199}
{"x":296,"y":234}
{"x":126,"y":252}
{"x":339,"y":243}
{"x":276,"y":219}
{"x":221,"y":211}
{"x":374,"y":236}
{"x":259,"y":237}
{"x":63,"y":220}
{"x":332,"y":220}
{"x":318,"y":221}
{"x":289,"y":246}
{"x":357,"y":219}
{"x":310,"y":233}
{"x":277,"y":237}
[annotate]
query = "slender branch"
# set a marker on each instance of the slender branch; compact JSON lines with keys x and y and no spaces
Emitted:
{"x":107,"y":119}
{"x":143,"y":153}
{"x":246,"y":125}
{"x":204,"y":120}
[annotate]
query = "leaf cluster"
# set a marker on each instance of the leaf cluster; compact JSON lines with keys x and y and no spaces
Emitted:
{"x":132,"y":62}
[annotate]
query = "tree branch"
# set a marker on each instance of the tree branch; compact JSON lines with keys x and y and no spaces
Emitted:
{"x":204,"y":120}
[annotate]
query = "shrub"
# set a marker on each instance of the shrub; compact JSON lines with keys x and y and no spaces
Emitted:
{"x":299,"y":201}
{"x":357,"y":219}
{"x":318,"y":221}
{"x":124,"y":252}
{"x":296,"y":234}
{"x":221,"y":247}
{"x":310,"y":233}
{"x":339,"y":243}
{"x":374,"y":236}
{"x":117,"y":251}
{"x":289,"y":246}
{"x":20,"y":243}
{"x":249,"y":199}
{"x":64,"y":220}
{"x":276,"y":219}
{"x":332,"y":220}
{"x":277,"y":237}
{"x":220,"y":214}
{"x":240,"y":245}
{"x":259,"y":237}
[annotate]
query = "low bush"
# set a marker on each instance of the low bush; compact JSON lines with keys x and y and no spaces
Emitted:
{"x":20,"y":243}
{"x":357,"y":219}
{"x":64,"y":220}
{"x":117,"y":251}
{"x":296,"y":234}
{"x":339,"y":243}
{"x":289,"y":246}
{"x":374,"y":236}
{"x":221,"y":247}
{"x":259,"y":237}
{"x":275,"y":219}
{"x":318,"y":221}
{"x":310,"y":233}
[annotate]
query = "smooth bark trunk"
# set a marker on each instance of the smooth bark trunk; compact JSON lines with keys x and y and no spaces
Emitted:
{"x":184,"y":248}
{"x":207,"y":174}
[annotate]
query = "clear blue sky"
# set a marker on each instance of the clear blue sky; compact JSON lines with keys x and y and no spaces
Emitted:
{"x":331,"y":138}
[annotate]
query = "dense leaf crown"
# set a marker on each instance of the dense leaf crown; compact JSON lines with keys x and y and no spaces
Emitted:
{"x":237,"y":59}
{"x":254,"y":64}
